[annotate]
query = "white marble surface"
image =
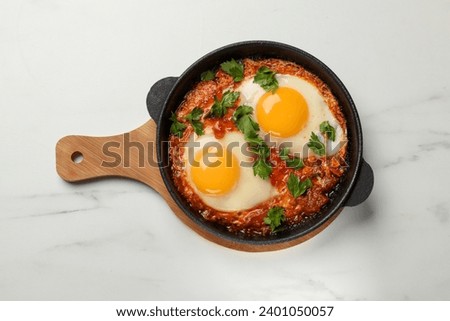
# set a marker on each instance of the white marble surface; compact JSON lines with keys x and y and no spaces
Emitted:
{"x":84,"y":67}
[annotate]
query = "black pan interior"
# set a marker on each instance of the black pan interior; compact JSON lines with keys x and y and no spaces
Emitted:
{"x":263,"y":49}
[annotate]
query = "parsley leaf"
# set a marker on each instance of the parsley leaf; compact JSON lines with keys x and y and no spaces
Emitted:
{"x":316,"y":145}
{"x":275,"y":216}
{"x":266,"y":79}
{"x":242,"y":111}
{"x":293,"y":185}
{"x":261,"y":168}
{"x":244,"y":121}
{"x":177,"y":128}
{"x":194,"y":118}
{"x":327,"y":130}
{"x":195,"y":114}
{"x":229,"y":98}
{"x":305,"y":185}
{"x":234,"y":69}
{"x":219,"y":108}
{"x":198,"y":127}
{"x":254,"y":140}
{"x":284,"y":153}
{"x":296,"y":187}
{"x":295,"y":163}
{"x":261,"y":149}
{"x":207,"y":75}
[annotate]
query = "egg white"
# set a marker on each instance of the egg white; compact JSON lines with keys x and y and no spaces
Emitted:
{"x":248,"y":191}
{"x":318,"y":112}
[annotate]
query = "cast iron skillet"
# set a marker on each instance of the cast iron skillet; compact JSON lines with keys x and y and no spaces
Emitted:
{"x":167,"y":94}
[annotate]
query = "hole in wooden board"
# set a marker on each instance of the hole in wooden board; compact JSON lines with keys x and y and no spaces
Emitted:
{"x":77,"y":157}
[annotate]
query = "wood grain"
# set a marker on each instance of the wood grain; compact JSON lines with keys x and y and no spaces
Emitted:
{"x":99,"y":154}
{"x":137,"y":154}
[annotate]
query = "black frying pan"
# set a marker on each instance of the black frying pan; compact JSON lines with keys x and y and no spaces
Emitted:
{"x":167,"y":94}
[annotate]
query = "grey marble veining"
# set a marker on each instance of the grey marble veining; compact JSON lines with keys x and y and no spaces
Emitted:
{"x":76,"y":68}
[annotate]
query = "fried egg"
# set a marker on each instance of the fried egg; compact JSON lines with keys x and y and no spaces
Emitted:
{"x":291,"y":113}
{"x":221,"y":173}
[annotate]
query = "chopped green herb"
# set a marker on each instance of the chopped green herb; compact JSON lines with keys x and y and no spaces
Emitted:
{"x":327,"y":130}
{"x":244,"y":121}
{"x":254,"y":139}
{"x":316,"y":145}
{"x":219,"y":108}
{"x":195,"y":114}
{"x":194,"y":118}
{"x":198,"y":127}
{"x":261,"y":168}
{"x":266,"y":79}
{"x":207,"y":75}
{"x":296,"y":187}
{"x":234,"y":69}
{"x":293,"y":185}
{"x":284,"y":153}
{"x":295,"y":162}
{"x":229,"y":98}
{"x":177,"y":128}
{"x":261,"y":149}
{"x":275,"y":216}
{"x":242,"y":111}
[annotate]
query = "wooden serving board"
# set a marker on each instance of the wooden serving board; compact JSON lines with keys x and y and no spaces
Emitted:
{"x":83,"y":158}
{"x":93,"y":158}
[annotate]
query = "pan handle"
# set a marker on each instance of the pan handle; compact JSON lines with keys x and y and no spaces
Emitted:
{"x":363,"y":186}
{"x":157,"y":96}
{"x":130,"y":155}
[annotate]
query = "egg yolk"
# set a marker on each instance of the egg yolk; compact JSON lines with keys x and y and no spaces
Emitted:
{"x":215,"y":171}
{"x":283,"y":113}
